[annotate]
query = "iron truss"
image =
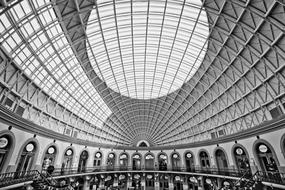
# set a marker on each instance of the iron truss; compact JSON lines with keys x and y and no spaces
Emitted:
{"x":240,"y":81}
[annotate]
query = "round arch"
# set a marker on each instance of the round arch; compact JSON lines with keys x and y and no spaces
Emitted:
{"x":12,"y":141}
{"x":199,"y":157}
{"x":236,"y":145}
{"x":37,"y":148}
{"x":282,"y":145}
{"x":47,"y":147}
{"x":256,"y":157}
{"x":218,"y":162}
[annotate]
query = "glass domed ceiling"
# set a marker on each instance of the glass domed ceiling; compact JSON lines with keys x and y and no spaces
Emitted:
{"x":146,"y":49}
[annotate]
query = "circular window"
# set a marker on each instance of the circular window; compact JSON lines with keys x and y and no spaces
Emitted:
{"x":189,"y":155}
{"x":148,"y":157}
{"x":262,"y":148}
{"x":226,"y":183}
{"x":69,"y":152}
{"x":136,"y":156}
{"x":177,"y":178}
{"x":175,"y":155}
{"x":30,"y":147}
{"x":98,"y":155}
{"x":123,"y":156}
{"x":162,"y":156}
{"x":193,"y":179}
{"x":239,"y":151}
{"x":111,"y":155}
{"x":209,"y":181}
{"x":51,"y":150}
{"x":3,"y":142}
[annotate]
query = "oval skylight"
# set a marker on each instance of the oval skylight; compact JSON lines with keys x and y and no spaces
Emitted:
{"x":147,"y":49}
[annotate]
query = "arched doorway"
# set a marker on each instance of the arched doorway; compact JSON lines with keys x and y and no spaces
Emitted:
{"x":204,"y":160}
{"x":67,"y":161}
{"x":267,"y":161}
{"x":193,"y":183}
{"x":82,"y":161}
{"x":189,"y":162}
{"x":111,"y":161}
{"x":149,"y":181}
{"x":49,"y":157}
{"x":222,"y":163}
{"x":97,"y":159}
{"x":241,"y":160}
{"x":149,"y":162}
{"x":109,"y":181}
{"x":175,"y":161}
{"x":178,"y":183}
{"x":27,"y":157}
{"x":5,"y":145}
{"x":163,"y":181}
{"x":136,"y":181}
{"x":123,"y":161}
{"x":122,"y":182}
{"x":162,"y":162}
{"x":136,"y":162}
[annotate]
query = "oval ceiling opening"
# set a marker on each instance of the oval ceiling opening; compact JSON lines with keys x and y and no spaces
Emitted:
{"x":146,"y":49}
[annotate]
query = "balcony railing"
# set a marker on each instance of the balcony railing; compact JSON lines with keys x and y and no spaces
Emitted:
{"x":7,"y":179}
{"x":213,"y":171}
{"x":12,"y":178}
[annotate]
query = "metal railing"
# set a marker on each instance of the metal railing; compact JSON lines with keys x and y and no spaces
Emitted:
{"x":213,"y":171}
{"x":11,"y":178}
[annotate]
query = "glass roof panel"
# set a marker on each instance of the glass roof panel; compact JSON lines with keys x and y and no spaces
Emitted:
{"x":40,"y":48}
{"x":140,"y":44}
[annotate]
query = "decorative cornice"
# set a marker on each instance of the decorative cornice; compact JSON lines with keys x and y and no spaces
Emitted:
{"x":14,"y":120}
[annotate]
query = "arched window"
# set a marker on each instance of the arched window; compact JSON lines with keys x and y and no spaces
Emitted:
{"x":149,"y":161}
{"x":162,"y":161}
{"x":266,"y":158}
{"x":111,"y":161}
{"x":97,"y":159}
{"x":221,"y":159}
{"x":189,"y":162}
{"x":175,"y":161}
{"x":5,"y":144}
{"x":27,"y":157}
{"x":149,"y":181}
{"x":136,"y":162}
{"x":204,"y":159}
{"x":123,"y":161}
{"x":67,"y":160}
{"x":49,"y":157}
{"x":241,"y":159}
{"x":82,"y":161}
{"x":178,"y":182}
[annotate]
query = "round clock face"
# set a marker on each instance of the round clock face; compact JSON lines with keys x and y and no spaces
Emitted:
{"x":69,"y":152}
{"x":51,"y":150}
{"x":3,"y":142}
{"x":262,"y":148}
{"x":239,"y":151}
{"x":30,"y":147}
{"x":189,"y":155}
{"x":98,"y":155}
{"x":175,"y":156}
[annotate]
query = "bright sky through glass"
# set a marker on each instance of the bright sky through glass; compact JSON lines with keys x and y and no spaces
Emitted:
{"x":147,"y":49}
{"x":40,"y":48}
